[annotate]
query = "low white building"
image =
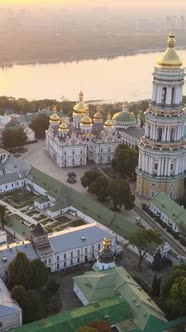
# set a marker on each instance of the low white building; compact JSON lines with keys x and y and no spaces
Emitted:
{"x":10,"y":312}
{"x":58,"y":250}
{"x":169,"y":212}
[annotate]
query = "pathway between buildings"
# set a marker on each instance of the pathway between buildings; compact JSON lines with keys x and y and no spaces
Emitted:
{"x":173,"y":243}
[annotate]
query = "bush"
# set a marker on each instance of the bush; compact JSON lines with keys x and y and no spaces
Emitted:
{"x":52,"y":286}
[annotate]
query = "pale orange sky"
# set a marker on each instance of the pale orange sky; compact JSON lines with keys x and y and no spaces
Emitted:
{"x":142,"y":4}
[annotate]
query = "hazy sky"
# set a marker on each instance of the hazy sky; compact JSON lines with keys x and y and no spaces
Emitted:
{"x":128,"y":4}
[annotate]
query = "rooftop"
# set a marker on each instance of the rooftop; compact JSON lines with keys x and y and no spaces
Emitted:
{"x":62,"y":193}
{"x":7,"y":305}
{"x":171,"y":209}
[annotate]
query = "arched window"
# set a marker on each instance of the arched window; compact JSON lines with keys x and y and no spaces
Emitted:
{"x":164,"y":95}
{"x":159,"y":134}
{"x":172,"y":135}
{"x":172,"y":97}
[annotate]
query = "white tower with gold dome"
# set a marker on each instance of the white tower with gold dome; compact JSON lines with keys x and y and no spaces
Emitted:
{"x":79,"y":111}
{"x":162,"y":150}
{"x":86,"y":124}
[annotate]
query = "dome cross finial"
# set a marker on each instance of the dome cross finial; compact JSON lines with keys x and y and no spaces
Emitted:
{"x":171,"y":40}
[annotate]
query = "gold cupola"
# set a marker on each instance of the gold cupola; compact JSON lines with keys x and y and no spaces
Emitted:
{"x":54,"y":117}
{"x":80,"y":107}
{"x":108,"y":124}
{"x":63,"y":127}
{"x":98,"y":116}
{"x":170,"y":57}
{"x":86,"y":121}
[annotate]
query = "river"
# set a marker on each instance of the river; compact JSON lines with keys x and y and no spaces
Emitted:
{"x":122,"y":78}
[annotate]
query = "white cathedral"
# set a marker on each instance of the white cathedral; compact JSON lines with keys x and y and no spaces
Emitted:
{"x":84,"y":139}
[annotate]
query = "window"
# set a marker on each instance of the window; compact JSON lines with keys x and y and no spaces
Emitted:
{"x":85,"y":250}
{"x":93,"y":248}
{"x":1,"y":324}
{"x":45,"y":261}
{"x":78,"y":260}
{"x":65,"y":264}
{"x":172,"y":167}
{"x":98,"y":246}
{"x":12,"y":184}
{"x":71,"y":254}
{"x":81,"y":152}
{"x":65,"y":256}
{"x":164,"y":95}
{"x":78,"y":252}
{"x":58,"y":266}
{"x":65,"y":153}
{"x":92,"y":255}
{"x":58,"y":258}
{"x":73,"y":152}
{"x":49,"y":261}
{"x":71,"y":261}
{"x":156,"y":166}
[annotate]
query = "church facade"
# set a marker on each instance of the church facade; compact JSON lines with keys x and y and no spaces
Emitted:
{"x":162,"y":149}
{"x":85,"y":139}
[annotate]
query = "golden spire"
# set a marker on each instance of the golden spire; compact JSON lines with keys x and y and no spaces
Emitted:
{"x":170,"y":57}
{"x":80,"y":106}
{"x":86,"y":120}
{"x":106,"y":243}
{"x":108,"y":123}
{"x":98,"y":115}
{"x":63,"y":126}
{"x":81,"y":96}
{"x":171,"y":40}
{"x":54,"y":117}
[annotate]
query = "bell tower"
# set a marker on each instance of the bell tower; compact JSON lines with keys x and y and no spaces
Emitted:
{"x":162,"y":151}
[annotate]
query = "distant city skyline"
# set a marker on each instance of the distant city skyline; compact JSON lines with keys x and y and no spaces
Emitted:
{"x":143,"y":5}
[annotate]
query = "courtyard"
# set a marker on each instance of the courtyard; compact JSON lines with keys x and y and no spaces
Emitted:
{"x":22,"y":216}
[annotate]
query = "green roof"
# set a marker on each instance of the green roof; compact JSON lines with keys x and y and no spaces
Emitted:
{"x":41,"y":199}
{"x":126,"y":117}
{"x":98,"y":285}
{"x":114,"y":309}
{"x":66,"y":196}
{"x":171,"y":209}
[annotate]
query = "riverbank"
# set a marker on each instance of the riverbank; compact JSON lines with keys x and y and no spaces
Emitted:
{"x":47,"y":47}
{"x":108,"y":56}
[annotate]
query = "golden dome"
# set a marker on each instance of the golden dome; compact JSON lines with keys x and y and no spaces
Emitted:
{"x":108,"y":123}
{"x":86,"y":121}
{"x":98,"y":115}
{"x":170,"y":58}
{"x":80,"y":106}
{"x":63,"y":126}
{"x":54,"y":117}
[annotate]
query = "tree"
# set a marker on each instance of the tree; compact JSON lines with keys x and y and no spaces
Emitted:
{"x":145,"y":240}
{"x":20,"y":271}
{"x":2,"y":216}
{"x":100,"y":187}
{"x":125,"y":160}
{"x":39,"y":274}
{"x":13,"y":138}
{"x":176,"y":300}
{"x":39,"y":125}
{"x":173,"y":290}
{"x":157,"y":263}
{"x":120,"y":194}
{"x":30,"y":302}
{"x":156,"y":283}
{"x":88,"y":178}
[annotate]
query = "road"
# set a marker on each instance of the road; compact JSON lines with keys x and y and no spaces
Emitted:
{"x":173,"y":243}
